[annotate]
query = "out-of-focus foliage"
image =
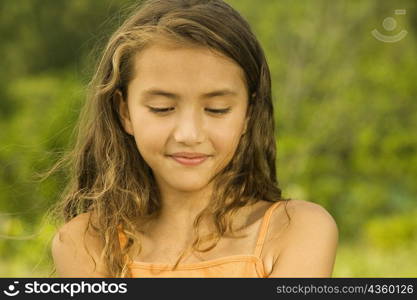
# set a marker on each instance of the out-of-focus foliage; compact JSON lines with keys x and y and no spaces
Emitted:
{"x":345,"y":118}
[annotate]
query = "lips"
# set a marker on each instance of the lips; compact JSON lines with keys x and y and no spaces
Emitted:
{"x":189,"y":161}
{"x":189,"y":154}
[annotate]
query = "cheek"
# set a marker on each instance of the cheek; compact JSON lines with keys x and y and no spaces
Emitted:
{"x":225,"y":141}
{"x":150,"y":136}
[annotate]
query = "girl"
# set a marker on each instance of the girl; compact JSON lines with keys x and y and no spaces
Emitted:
{"x":173,"y":172}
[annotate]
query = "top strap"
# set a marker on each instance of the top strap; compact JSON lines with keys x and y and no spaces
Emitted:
{"x":264,"y":228}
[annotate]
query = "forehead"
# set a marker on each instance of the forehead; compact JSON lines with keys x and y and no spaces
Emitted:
{"x":181,"y":67}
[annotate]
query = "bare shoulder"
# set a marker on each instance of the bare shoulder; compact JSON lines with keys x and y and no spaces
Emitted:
{"x":309,"y":212}
{"x":296,"y":214}
{"x":309,"y":218}
{"x":307,"y":237}
{"x":76,"y":225}
{"x":76,"y":249}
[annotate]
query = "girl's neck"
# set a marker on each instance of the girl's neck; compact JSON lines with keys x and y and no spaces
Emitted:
{"x":181,"y":207}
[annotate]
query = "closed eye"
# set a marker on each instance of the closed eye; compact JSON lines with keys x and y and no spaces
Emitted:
{"x":167,"y":109}
{"x":219,"y":111}
{"x":159,"y":110}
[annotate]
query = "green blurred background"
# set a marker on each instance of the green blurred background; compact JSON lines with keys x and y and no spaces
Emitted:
{"x":345,"y":109}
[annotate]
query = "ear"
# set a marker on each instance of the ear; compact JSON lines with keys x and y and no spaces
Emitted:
{"x":123,"y":111}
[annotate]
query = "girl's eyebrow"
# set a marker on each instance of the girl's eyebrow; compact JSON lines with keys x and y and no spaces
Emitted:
{"x":158,"y":92}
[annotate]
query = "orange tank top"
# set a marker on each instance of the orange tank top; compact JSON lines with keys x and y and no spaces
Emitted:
{"x":237,"y":266}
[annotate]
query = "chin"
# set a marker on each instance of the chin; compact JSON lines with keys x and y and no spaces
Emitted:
{"x":188,"y":186}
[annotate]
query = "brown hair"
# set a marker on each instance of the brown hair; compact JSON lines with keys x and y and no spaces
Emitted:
{"x":107,"y":173}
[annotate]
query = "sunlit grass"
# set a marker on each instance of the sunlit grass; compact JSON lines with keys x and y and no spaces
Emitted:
{"x":27,"y":252}
{"x":359,"y":260}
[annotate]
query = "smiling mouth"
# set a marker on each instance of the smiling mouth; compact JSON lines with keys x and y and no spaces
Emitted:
{"x":189,"y":161}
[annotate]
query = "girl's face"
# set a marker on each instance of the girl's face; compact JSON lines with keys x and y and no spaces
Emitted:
{"x":185,"y":100}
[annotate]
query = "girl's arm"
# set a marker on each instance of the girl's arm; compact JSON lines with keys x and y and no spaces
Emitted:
{"x":71,"y":258}
{"x":309,"y":244}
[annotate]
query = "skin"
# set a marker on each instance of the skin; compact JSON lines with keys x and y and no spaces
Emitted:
{"x":189,"y":75}
{"x":303,"y":247}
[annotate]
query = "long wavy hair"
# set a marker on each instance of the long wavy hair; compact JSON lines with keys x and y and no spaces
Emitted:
{"x":107,"y":174}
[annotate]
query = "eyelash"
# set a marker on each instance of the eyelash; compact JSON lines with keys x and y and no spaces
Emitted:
{"x":165,"y":110}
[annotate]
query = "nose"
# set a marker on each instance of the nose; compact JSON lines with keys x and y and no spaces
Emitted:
{"x":189,"y":128}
